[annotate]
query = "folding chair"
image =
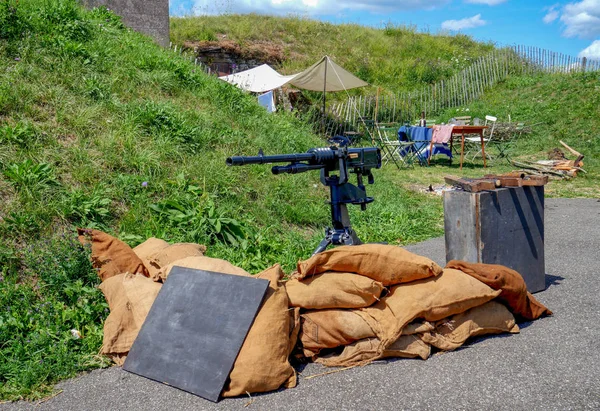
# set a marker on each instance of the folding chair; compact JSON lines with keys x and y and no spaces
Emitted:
{"x":473,"y":144}
{"x":463,"y":120}
{"x":414,"y":144}
{"x":393,"y":149}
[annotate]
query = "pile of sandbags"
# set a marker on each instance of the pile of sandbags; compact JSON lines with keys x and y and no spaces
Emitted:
{"x":132,"y":278}
{"x":373,"y":301}
{"x":346,"y":306}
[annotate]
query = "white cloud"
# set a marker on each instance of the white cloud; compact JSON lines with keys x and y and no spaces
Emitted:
{"x":311,"y":7}
{"x":551,"y":15}
{"x":592,"y":51}
{"x":581,"y":19}
{"x":466,"y":23}
{"x":488,"y":2}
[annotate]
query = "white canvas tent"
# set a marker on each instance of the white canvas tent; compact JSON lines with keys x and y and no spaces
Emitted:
{"x":258,"y":80}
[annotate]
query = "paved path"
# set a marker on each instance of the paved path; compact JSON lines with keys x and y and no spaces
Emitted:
{"x":553,"y":364}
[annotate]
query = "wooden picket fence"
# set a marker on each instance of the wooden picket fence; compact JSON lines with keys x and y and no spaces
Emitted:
{"x":457,"y":91}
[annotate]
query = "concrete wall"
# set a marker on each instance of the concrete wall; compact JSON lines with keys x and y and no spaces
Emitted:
{"x":146,"y":16}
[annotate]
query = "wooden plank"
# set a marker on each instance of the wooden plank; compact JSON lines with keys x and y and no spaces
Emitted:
{"x":471,"y":185}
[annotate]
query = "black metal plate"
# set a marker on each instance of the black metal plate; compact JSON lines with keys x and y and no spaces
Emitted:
{"x":195,"y":330}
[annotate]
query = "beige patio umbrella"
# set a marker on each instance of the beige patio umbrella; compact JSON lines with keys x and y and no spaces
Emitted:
{"x":326,"y":75}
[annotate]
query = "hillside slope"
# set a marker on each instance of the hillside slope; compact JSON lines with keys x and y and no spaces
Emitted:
{"x":394,"y":57}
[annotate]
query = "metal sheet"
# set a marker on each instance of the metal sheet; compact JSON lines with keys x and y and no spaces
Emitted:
{"x":195,"y":330}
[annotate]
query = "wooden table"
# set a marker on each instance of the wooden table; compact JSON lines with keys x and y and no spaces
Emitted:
{"x":462,"y":130}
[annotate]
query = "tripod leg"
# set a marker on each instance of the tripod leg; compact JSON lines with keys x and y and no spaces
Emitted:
{"x":323,"y":244}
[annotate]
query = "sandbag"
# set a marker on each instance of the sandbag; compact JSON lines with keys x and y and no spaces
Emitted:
{"x":110,"y":256}
{"x":129,"y":297}
{"x":418,"y":327}
{"x":387,"y":264}
{"x":203,"y":263}
{"x":262,"y":364}
{"x":149,"y":247}
{"x":295,"y":327}
{"x":489,"y":318}
{"x":407,"y":346}
{"x":432,"y":299}
{"x":331,"y":328}
{"x":170,"y":254}
{"x":333,"y":290}
{"x":514,"y":290}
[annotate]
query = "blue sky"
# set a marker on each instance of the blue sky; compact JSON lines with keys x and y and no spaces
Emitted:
{"x":570,"y":27}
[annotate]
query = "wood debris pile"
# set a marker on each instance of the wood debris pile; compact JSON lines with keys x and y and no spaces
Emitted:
{"x":562,"y":168}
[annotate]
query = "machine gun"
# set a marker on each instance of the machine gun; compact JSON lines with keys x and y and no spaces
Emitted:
{"x":342,"y":160}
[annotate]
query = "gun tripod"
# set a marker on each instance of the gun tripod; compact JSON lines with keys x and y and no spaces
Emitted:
{"x":341,"y":194}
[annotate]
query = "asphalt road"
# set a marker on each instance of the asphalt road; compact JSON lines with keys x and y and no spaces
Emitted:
{"x":553,"y":364}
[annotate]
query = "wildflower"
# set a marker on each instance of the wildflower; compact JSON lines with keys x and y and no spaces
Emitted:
{"x":17,"y":58}
{"x":145,"y":184}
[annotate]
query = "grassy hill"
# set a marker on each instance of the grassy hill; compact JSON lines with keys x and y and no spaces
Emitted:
{"x":99,"y":127}
{"x":394,"y":57}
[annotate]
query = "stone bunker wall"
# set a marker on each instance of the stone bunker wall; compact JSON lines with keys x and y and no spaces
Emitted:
{"x":146,"y":16}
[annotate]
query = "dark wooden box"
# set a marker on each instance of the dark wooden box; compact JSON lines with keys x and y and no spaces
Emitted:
{"x":504,"y":226}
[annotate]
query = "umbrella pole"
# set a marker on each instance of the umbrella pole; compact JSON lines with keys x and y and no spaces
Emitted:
{"x":324,"y":93}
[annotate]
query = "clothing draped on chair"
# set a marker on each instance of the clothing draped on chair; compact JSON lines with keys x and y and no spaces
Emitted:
{"x":422,"y":137}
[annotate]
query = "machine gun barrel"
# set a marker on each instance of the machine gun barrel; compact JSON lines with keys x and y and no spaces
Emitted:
{"x":279,"y":158}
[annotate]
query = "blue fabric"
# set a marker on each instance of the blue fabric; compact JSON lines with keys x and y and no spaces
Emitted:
{"x":266,"y":100}
{"x":422,"y":138}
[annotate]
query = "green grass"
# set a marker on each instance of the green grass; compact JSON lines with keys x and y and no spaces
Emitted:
{"x":394,"y":57}
{"x":99,"y":127}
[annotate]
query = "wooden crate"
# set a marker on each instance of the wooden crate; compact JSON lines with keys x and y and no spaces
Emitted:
{"x":502,"y":226}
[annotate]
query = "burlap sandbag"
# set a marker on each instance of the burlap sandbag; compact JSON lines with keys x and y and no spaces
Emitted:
{"x":489,"y":318}
{"x":331,"y":328}
{"x":170,"y":254}
{"x":203,"y":263}
{"x":514,"y":290}
{"x":333,"y":290}
{"x":129,"y":297}
{"x":418,"y":327}
{"x":407,"y":346}
{"x":387,"y":264}
{"x":295,"y":327}
{"x":432,"y":299}
{"x":110,"y":256}
{"x":149,"y":247}
{"x":262,"y":364}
